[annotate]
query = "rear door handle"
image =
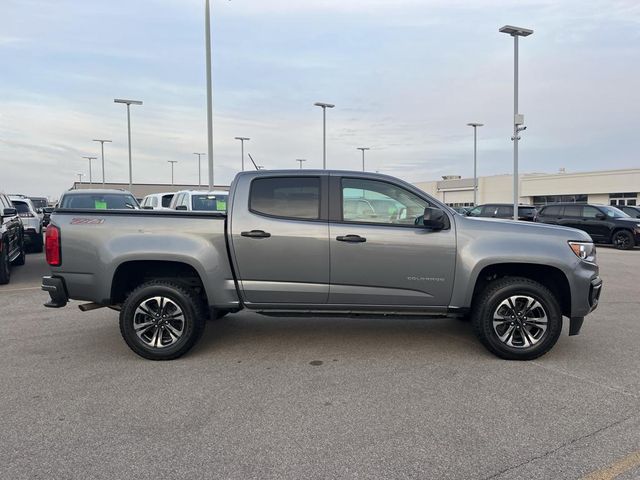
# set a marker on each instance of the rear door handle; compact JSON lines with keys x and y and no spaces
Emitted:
{"x":351,"y":238}
{"x":256,"y":234}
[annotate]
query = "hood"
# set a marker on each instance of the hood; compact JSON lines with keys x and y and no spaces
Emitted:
{"x":526,"y":228}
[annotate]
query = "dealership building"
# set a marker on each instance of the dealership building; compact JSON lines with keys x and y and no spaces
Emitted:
{"x":608,"y":187}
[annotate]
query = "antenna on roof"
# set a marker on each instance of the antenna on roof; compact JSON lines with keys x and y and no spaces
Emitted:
{"x":252,"y":161}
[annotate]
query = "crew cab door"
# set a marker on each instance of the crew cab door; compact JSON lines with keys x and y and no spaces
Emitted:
{"x":379,"y":255}
{"x":280,"y":239}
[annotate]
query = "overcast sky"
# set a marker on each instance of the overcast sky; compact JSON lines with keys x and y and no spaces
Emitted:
{"x":405,"y":75}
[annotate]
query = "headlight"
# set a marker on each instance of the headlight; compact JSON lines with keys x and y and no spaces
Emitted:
{"x":584,"y":250}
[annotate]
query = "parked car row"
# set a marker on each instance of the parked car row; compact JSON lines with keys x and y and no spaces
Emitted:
{"x":618,"y":225}
{"x":189,"y":200}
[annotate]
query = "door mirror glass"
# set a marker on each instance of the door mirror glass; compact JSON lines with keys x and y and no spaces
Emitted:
{"x":434,"y":218}
{"x":600,"y":216}
{"x":9,"y":212}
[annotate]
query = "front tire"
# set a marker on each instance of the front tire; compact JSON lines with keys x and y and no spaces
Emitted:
{"x":623,"y":240}
{"x":22,"y":258}
{"x":517,"y":318}
{"x":5,"y":265}
{"x":162,"y":320}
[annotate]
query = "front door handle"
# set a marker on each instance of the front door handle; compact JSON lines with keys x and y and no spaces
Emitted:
{"x":256,"y":234}
{"x":351,"y":238}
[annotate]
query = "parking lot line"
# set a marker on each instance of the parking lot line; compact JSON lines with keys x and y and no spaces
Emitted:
{"x":20,"y":289}
{"x":617,"y":468}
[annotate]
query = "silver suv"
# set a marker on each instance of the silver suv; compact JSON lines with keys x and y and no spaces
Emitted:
{"x":31,"y":221}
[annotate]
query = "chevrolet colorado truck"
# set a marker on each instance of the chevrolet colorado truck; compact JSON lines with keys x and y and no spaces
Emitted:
{"x":322,"y":243}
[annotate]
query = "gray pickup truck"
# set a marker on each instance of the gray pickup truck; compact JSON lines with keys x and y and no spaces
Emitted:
{"x":322,"y":243}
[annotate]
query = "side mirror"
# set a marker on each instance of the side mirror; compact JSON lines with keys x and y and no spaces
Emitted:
{"x":47,"y":209}
{"x":434,"y":218}
{"x":38,"y":210}
{"x":600,"y":216}
{"x":9,"y":212}
{"x":181,"y":207}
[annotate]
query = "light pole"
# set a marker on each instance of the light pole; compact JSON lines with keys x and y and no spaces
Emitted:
{"x":242,"y":140}
{"x":324,"y":107}
{"x":475,"y":126}
{"x":172,"y":162}
{"x":207,"y":28}
{"x":129,"y":103}
{"x":363,"y":149}
{"x":80,"y":175}
{"x":102,"y":142}
{"x":518,"y":120}
{"x":301,"y":160}
{"x":199,"y":155}
{"x":90,"y":177}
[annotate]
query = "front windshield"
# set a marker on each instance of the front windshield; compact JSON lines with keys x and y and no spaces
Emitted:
{"x":613,"y":212}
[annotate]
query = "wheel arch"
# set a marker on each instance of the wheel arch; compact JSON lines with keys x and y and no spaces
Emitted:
{"x":551,"y":277}
{"x":130,"y":274}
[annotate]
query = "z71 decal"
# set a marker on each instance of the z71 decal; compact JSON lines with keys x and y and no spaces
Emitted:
{"x":87,"y":221}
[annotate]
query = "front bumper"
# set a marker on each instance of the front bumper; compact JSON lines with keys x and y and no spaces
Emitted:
{"x":57,"y":291}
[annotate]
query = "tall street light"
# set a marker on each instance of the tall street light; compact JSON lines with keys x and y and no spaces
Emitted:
{"x":90,"y":160}
{"x":207,"y":28}
{"x":102,"y":142}
{"x":172,"y":162}
{"x":363,"y":149}
{"x":324,"y":107}
{"x":301,"y":160}
{"x":518,"y":120}
{"x":475,"y":126}
{"x":129,"y":103}
{"x":242,"y":140}
{"x":199,"y":155}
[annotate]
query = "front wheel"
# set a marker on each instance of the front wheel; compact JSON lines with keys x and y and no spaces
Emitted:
{"x":623,"y":240}
{"x":5,"y":265}
{"x":162,"y":320}
{"x":517,"y":318}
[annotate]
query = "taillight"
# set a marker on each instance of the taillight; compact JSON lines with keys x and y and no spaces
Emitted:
{"x":52,"y":246}
{"x":27,"y":215}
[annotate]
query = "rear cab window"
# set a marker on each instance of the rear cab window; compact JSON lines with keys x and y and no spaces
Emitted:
{"x":286,"y":197}
{"x":90,"y":201}
{"x":209,"y":202}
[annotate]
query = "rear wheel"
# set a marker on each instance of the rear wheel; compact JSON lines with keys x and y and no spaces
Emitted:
{"x":162,"y":320}
{"x":38,"y":244}
{"x":517,"y":318}
{"x":623,"y":240}
{"x":5,"y":266}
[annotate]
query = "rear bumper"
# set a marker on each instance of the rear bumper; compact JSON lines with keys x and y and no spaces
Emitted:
{"x":31,"y":236}
{"x":57,"y":291}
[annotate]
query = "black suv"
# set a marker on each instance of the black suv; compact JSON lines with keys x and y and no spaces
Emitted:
{"x":11,"y":239}
{"x":603,"y":223}
{"x":631,"y":210}
{"x":503,"y":210}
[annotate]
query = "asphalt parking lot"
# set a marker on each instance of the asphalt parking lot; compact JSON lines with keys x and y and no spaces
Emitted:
{"x":297,"y":398}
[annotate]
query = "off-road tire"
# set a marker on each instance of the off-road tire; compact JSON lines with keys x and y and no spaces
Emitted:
{"x":189,"y":302}
{"x":498,"y":291}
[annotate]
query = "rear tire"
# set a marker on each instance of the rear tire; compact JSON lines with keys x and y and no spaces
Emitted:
{"x":5,"y":266}
{"x":162,"y":320}
{"x":517,"y":318}
{"x":38,"y":244}
{"x":623,"y":240}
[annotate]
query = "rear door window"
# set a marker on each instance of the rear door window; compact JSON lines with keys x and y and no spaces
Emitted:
{"x":552,"y":211}
{"x":573,"y":211}
{"x":504,"y":211}
{"x":286,"y":197}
